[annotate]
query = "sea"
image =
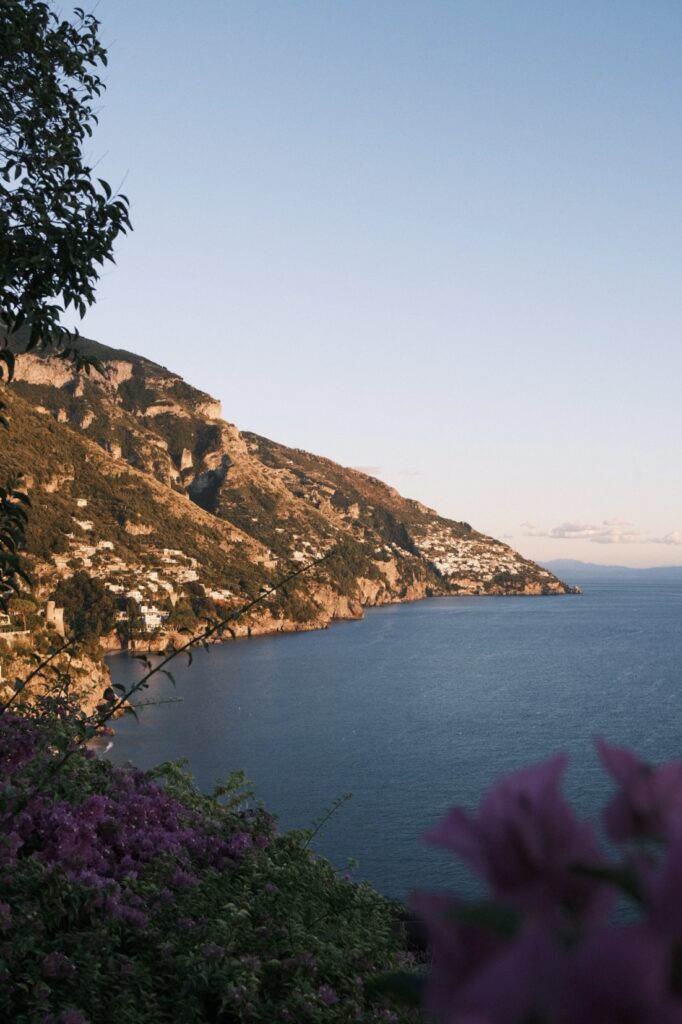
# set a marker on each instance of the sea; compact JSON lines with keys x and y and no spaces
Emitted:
{"x":417,"y":708}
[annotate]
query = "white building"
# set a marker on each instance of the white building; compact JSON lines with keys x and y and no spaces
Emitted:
{"x":153,"y":617}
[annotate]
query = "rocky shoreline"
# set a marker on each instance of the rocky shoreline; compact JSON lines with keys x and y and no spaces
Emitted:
{"x":338,"y":610}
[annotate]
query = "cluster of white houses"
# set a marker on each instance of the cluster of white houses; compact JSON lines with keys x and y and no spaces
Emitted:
{"x":455,"y":556}
{"x":151,"y":583}
{"x":12,"y":629}
{"x":174,"y":569}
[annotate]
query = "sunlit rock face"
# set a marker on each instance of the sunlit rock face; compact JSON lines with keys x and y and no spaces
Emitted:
{"x":162,"y":471}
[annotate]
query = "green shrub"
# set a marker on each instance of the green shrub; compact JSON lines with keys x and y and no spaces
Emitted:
{"x":126,"y":896}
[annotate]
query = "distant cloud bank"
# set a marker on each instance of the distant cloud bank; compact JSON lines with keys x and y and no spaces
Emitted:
{"x":609,"y":531}
{"x":670,"y":538}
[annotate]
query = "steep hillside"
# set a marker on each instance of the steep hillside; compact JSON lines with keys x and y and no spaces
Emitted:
{"x":136,"y":477}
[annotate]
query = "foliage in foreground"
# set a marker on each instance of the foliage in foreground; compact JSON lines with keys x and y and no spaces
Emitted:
{"x":58,"y":221}
{"x":126,"y":895}
{"x":547,"y":949}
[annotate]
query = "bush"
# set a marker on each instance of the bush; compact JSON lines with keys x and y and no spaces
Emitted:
{"x":129,"y":896}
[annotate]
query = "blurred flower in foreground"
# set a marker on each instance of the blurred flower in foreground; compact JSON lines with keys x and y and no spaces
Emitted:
{"x":649,"y":799}
{"x":524,"y":842}
{"x":543,"y":948}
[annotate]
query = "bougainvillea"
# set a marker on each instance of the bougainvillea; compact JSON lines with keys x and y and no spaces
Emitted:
{"x":129,"y":894}
{"x":570,"y":934}
{"x":126,"y":895}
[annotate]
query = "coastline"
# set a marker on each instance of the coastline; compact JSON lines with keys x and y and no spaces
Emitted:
{"x":261,"y":630}
{"x":247,"y":631}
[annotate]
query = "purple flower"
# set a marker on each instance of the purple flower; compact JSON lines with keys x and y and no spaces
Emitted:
{"x":73,"y":1017}
{"x":567,"y":966}
{"x":237,"y":993}
{"x":649,"y":798}
{"x":458,"y":950}
{"x":660,"y":881}
{"x":524,"y":981}
{"x":123,"y":912}
{"x":212,"y":952}
{"x":524,"y":842}
{"x":20,"y":742}
{"x":57,"y":965}
{"x":182,"y":878}
{"x":327,"y":995}
{"x":88,"y":878}
{"x":239,"y":843}
{"x":5,"y":916}
{"x":271,"y":888}
{"x":621,"y":974}
{"x":480,"y":977}
{"x":250,"y":961}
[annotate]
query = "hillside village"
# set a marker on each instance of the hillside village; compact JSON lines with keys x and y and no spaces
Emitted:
{"x":181,"y":517}
{"x":164,"y":583}
{"x":465,"y":561}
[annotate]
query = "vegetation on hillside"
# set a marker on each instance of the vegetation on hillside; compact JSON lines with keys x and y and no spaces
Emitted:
{"x":116,"y":505}
{"x":89,"y":608}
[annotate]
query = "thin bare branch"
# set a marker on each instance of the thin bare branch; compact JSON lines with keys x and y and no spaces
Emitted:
{"x":21,"y":684}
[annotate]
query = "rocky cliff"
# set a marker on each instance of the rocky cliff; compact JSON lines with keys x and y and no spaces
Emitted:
{"x":135,"y":477}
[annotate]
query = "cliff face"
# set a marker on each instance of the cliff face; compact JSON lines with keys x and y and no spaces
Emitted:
{"x":88,"y":678}
{"x":147,"y":486}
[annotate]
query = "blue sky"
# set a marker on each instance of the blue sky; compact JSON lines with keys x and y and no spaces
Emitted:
{"x":439,"y":240}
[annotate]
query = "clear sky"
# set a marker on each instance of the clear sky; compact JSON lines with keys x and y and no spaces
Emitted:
{"x":437,"y":240}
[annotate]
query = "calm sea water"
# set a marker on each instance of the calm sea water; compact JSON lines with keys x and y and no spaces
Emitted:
{"x":418,"y":707}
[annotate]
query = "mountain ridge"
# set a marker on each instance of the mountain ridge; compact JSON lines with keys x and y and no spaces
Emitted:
{"x":256,"y":508}
{"x":576,"y":570}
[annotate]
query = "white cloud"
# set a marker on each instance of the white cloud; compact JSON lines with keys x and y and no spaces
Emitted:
{"x":670,"y":538}
{"x":610,"y":531}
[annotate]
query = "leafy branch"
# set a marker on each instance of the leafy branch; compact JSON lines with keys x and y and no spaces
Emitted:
{"x":58,"y":222}
{"x":319,"y":823}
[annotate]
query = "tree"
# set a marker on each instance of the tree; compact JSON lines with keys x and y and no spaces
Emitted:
{"x":202,"y":606}
{"x":183,"y":617}
{"x":89,"y":608}
{"x":132,"y":626}
{"x":58,"y":222}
